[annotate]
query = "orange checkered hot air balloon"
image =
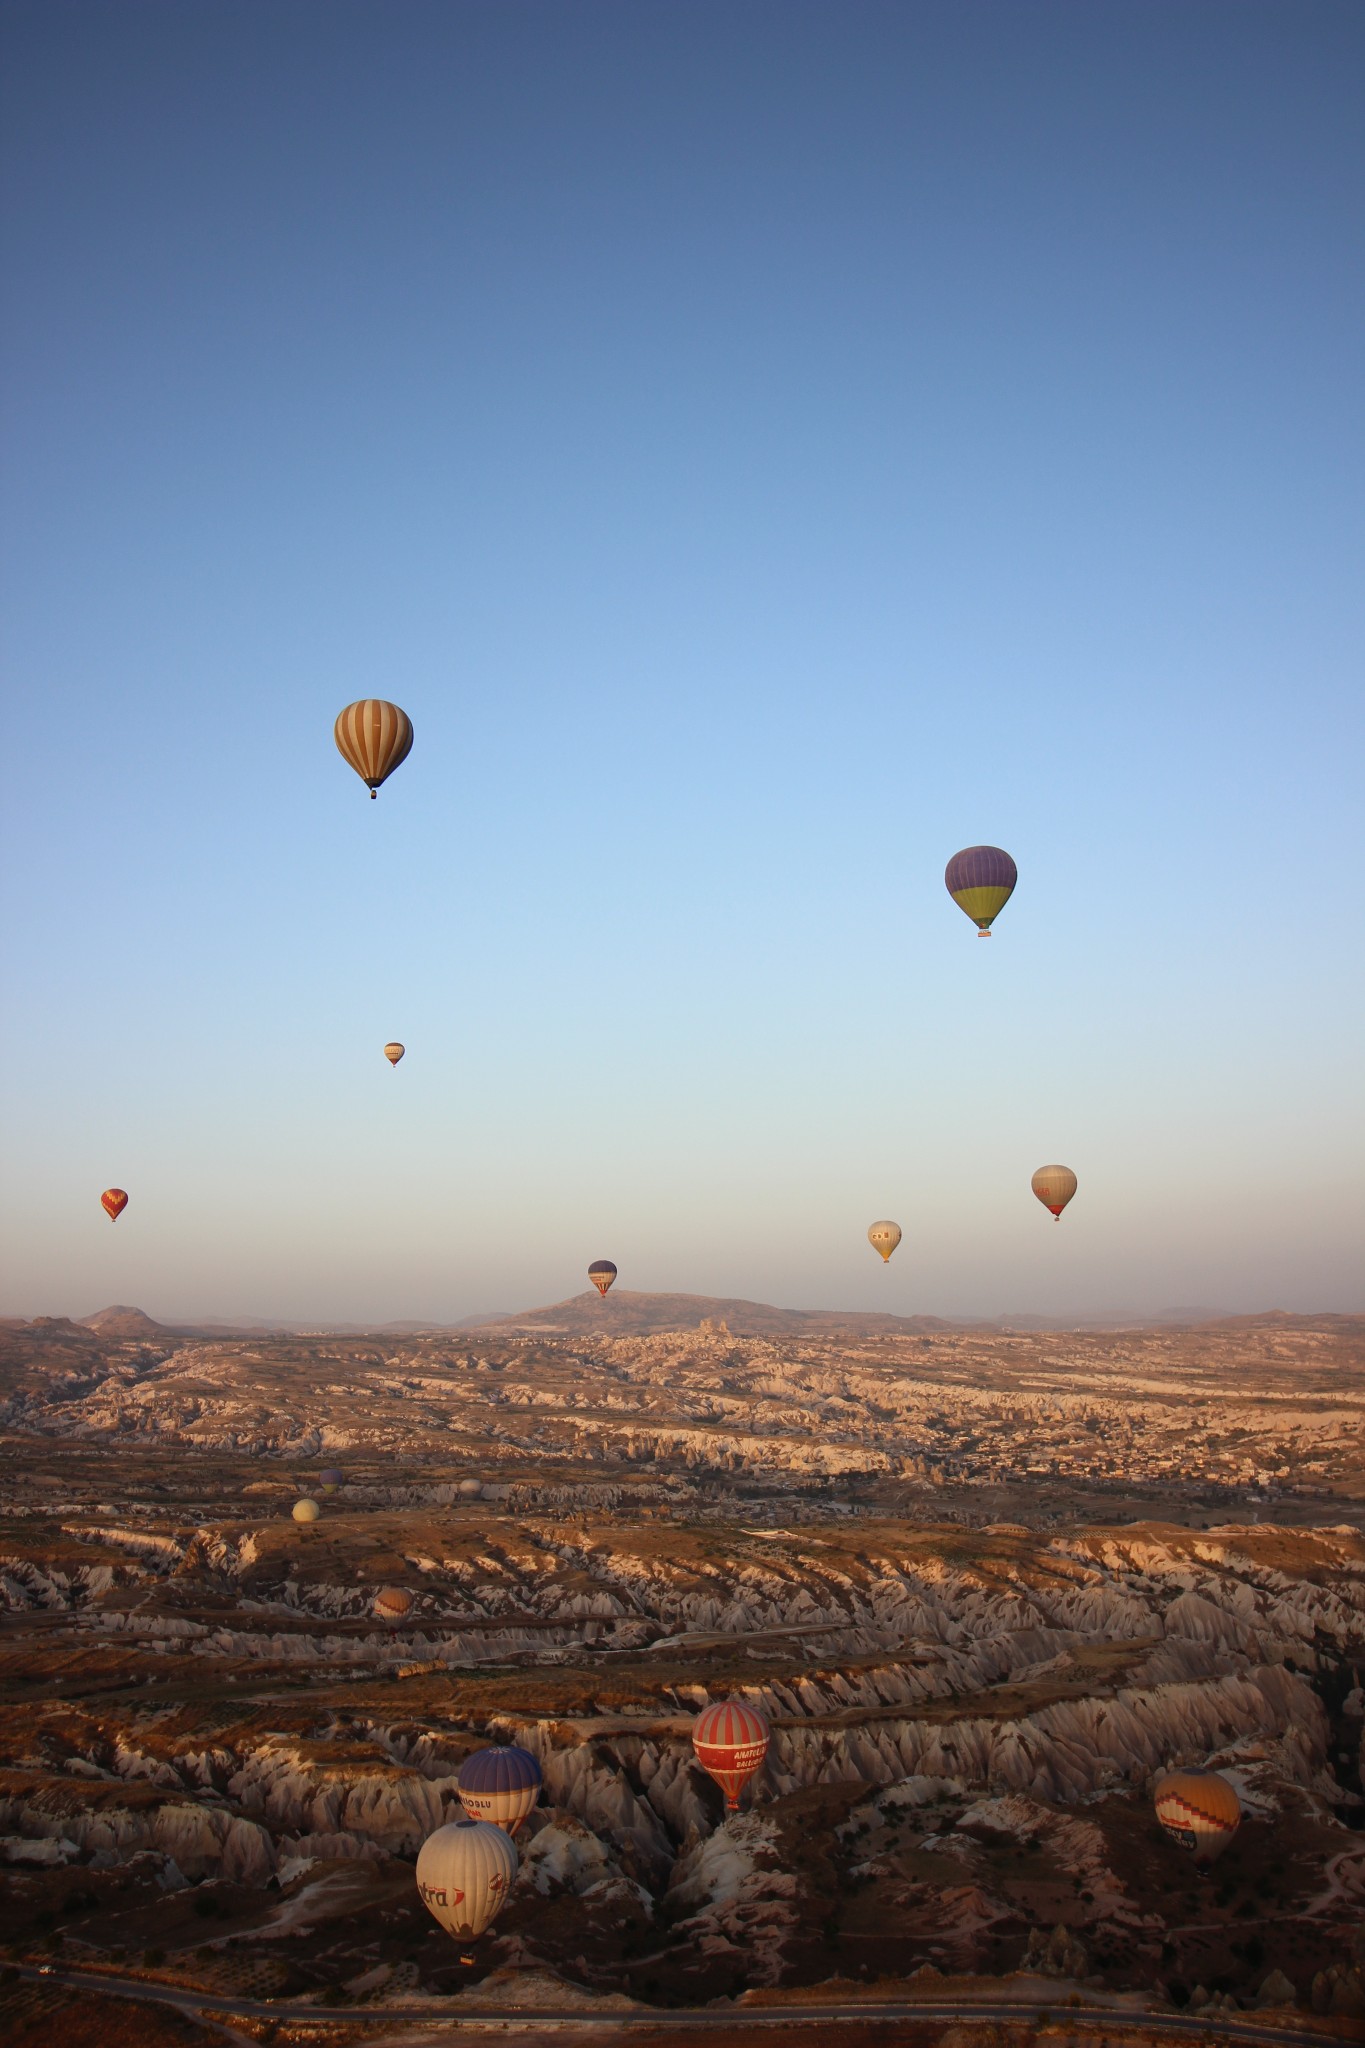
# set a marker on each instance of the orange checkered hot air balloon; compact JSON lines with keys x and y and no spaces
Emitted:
{"x":375,"y":737}
{"x":731,"y":1741}
{"x":113,"y":1201}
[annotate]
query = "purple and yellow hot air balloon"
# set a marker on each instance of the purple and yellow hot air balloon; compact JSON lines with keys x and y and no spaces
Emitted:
{"x":981,"y":881}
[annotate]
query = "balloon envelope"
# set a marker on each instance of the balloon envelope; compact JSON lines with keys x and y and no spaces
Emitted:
{"x":393,"y":1052}
{"x":393,"y":1603}
{"x":113,"y":1201}
{"x":601,"y":1273}
{"x":329,"y":1479}
{"x":981,"y":881}
{"x":884,"y":1237}
{"x":1054,"y":1186}
{"x":731,"y":1741}
{"x":499,"y":1785}
{"x":464,"y":1873}
{"x":375,"y":737}
{"x":1200,"y":1810}
{"x":306,"y":1511}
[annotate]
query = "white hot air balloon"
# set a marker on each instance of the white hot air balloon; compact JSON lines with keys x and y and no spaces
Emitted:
{"x":464,"y":1873}
{"x":306,"y":1511}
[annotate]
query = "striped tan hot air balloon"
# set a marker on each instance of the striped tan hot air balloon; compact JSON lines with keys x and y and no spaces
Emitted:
{"x":1054,"y":1186}
{"x":884,"y":1237}
{"x":375,"y":737}
{"x":393,"y":1052}
{"x":731,"y":1741}
{"x":1200,"y":1810}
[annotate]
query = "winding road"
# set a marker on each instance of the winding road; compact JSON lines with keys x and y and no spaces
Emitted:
{"x":472,"y":2019}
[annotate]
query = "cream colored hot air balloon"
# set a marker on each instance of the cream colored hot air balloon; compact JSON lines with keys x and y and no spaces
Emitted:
{"x":464,"y":1873}
{"x":393,"y":1603}
{"x":305,"y":1511}
{"x":1054,"y":1186}
{"x":1200,"y":1810}
{"x":393,"y":1052}
{"x":375,"y":737}
{"x":884,"y":1237}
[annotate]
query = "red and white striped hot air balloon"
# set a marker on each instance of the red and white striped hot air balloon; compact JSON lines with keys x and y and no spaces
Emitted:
{"x":731,"y":1741}
{"x":375,"y":737}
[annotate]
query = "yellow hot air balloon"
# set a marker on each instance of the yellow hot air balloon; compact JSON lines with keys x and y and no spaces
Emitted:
{"x":393,"y":1052}
{"x":1054,"y":1186}
{"x":305,"y":1511}
{"x":375,"y":737}
{"x":1200,"y":1810}
{"x":884,"y":1237}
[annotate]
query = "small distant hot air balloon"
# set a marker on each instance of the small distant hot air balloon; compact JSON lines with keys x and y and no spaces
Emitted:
{"x":981,"y":881}
{"x":731,"y":1741}
{"x":464,"y":1873}
{"x":393,"y":1603}
{"x":113,"y":1201}
{"x":499,"y":1785}
{"x":393,"y":1052}
{"x":306,"y":1511}
{"x":601,"y":1273}
{"x":375,"y":737}
{"x":470,"y":1488}
{"x":1054,"y":1186}
{"x":884,"y":1237}
{"x":329,"y":1479}
{"x":1200,"y":1810}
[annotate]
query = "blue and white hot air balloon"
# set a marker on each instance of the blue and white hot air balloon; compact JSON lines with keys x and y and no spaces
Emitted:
{"x":499,"y":1785}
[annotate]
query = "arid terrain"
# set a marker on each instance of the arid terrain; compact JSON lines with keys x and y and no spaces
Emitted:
{"x":985,"y":1583}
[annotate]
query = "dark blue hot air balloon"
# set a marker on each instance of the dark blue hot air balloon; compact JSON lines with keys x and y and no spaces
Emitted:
{"x":499,"y":1785}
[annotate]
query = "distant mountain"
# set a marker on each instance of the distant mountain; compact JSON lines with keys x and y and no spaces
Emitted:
{"x":123,"y":1322}
{"x":624,"y":1314}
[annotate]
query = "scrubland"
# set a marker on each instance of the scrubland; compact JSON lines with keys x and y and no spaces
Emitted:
{"x":986,"y":1586}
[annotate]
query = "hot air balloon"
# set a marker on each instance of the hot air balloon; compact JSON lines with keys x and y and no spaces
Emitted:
{"x":731,"y":1741}
{"x":1054,"y":1186}
{"x":375,"y":737}
{"x":306,"y":1511}
{"x":884,"y":1237}
{"x":329,"y":1479}
{"x":113,"y":1201}
{"x":601,"y":1273}
{"x":470,"y":1488}
{"x":499,"y":1785}
{"x":981,"y":881}
{"x":393,"y":1603}
{"x":464,"y":1873}
{"x":1200,"y":1810}
{"x":393,"y":1052}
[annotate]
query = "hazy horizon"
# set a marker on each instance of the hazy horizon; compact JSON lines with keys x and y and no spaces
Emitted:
{"x":765,"y":448}
{"x":249,"y":1319}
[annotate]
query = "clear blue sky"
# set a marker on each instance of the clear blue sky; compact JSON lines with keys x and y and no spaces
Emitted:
{"x":765,"y":447}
